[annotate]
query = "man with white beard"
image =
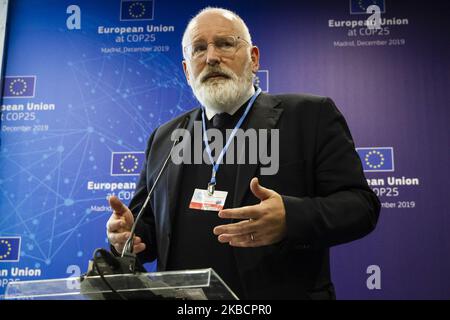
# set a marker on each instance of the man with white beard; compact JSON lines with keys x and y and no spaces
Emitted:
{"x":267,"y":236}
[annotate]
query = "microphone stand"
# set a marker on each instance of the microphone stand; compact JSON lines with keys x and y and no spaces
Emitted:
{"x":106,"y":263}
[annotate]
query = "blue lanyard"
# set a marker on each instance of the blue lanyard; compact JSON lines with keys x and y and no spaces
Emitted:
{"x":215,"y":168}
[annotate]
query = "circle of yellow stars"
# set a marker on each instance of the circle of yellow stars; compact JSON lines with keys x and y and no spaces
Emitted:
{"x":8,"y":250}
{"x":18,"y":92}
{"x":361,"y":5}
{"x":374,"y":166}
{"x":125,"y":158}
{"x":131,"y":10}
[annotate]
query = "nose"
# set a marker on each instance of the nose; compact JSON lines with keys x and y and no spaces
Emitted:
{"x":212,"y":58}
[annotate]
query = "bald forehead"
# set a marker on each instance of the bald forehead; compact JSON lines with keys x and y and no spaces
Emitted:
{"x":214,"y":22}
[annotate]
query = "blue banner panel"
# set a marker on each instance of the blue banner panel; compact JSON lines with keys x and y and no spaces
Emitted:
{"x":87,"y":82}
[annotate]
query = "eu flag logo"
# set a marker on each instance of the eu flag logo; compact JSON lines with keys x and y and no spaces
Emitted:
{"x":360,"y":6}
{"x":377,"y":159}
{"x":19,"y":87}
{"x":9,"y":249}
{"x":126,"y":163}
{"x":262,"y":80}
{"x":136,"y":10}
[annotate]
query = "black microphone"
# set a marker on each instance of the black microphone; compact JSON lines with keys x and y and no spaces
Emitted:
{"x":103,"y":261}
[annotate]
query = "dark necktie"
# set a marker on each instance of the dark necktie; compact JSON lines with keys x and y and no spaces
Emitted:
{"x":220,"y":120}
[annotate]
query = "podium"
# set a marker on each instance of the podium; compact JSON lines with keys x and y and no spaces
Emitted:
{"x":199,"y":284}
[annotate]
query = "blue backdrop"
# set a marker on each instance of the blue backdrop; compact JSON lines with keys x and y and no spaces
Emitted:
{"x":87,"y":81}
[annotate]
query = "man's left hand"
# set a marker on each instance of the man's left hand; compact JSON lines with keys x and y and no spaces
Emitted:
{"x":264,"y":224}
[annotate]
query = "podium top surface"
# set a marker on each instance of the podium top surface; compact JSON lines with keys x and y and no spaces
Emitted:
{"x":198,"y":284}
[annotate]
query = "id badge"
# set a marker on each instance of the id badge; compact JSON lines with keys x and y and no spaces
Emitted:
{"x":201,"y":200}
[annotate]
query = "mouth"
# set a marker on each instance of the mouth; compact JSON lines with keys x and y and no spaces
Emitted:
{"x":214,"y":76}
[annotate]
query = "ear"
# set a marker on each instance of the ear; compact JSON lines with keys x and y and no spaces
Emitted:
{"x":254,"y":54}
{"x":186,"y":71}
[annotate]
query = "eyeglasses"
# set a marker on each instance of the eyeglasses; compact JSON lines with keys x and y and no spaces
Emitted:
{"x":226,"y":46}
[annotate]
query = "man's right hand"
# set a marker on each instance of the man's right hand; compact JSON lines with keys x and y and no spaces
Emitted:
{"x":119,"y":226}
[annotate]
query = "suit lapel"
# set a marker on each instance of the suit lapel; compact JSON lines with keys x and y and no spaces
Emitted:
{"x":264,"y":115}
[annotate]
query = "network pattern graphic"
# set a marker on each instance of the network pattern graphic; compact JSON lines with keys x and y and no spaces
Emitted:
{"x":43,"y":175}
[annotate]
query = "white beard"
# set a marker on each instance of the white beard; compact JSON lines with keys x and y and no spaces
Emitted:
{"x":223,"y":95}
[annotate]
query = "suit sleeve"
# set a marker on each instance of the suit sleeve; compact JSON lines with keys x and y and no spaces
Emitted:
{"x":343,"y":208}
{"x":145,"y":229}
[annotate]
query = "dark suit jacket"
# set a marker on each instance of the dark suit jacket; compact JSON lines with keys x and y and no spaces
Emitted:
{"x":320,"y":178}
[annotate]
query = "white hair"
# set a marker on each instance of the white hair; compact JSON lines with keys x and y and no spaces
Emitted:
{"x":246,"y":33}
